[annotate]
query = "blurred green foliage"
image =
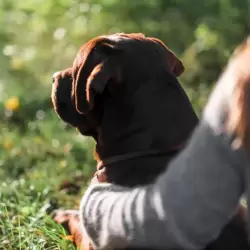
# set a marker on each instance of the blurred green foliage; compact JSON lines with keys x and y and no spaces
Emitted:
{"x":39,"y":37}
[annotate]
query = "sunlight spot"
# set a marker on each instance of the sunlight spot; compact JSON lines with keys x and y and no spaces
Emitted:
{"x":31,"y":126}
{"x":22,"y":181}
{"x":55,"y":143}
{"x":14,"y":219}
{"x":9,"y":50}
{"x":2,"y":93}
{"x":96,"y":8}
{"x":29,"y":53}
{"x":80,"y":21}
{"x":40,"y":114}
{"x":8,"y":113}
{"x":84,"y":7}
{"x":41,"y":241}
{"x":5,"y":243}
{"x":46,"y":191}
{"x":59,"y":33}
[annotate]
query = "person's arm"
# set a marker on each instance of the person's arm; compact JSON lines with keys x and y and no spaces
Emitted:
{"x":186,"y":207}
{"x":189,"y":203}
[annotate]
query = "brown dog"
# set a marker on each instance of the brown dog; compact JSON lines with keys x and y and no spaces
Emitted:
{"x":122,"y":90}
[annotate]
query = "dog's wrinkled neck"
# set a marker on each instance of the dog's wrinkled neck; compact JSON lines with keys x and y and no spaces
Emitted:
{"x":103,"y":165}
{"x":145,"y":121}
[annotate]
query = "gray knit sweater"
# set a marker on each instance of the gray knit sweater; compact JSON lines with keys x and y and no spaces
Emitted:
{"x":202,"y":186}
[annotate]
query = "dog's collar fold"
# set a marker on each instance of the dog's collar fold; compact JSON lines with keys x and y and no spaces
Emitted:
{"x":103,"y":164}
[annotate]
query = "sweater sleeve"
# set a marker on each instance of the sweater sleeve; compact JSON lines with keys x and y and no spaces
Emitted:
{"x":186,"y":207}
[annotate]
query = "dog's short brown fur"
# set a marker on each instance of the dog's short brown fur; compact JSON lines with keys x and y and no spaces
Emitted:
{"x":122,"y":90}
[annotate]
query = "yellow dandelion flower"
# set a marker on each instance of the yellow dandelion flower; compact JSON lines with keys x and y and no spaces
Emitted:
{"x":12,"y":103}
{"x":63,"y":164}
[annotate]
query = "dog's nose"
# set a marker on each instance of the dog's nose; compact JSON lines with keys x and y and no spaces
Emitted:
{"x":55,"y":75}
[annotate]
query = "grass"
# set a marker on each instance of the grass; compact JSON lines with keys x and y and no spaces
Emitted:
{"x":39,"y":157}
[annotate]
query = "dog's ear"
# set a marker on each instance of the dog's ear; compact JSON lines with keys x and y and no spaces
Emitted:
{"x":174,"y":64}
{"x":85,"y":91}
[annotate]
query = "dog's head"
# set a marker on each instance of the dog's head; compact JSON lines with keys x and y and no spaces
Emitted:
{"x":108,"y":66}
